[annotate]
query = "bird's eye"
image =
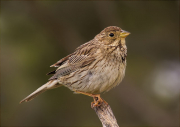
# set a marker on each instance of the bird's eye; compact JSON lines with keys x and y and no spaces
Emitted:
{"x":111,"y":35}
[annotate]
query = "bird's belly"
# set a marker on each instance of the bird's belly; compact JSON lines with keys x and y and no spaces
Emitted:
{"x":107,"y":78}
{"x":96,"y":80}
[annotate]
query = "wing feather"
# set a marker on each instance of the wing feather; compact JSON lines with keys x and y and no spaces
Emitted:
{"x":74,"y":63}
{"x":61,"y":61}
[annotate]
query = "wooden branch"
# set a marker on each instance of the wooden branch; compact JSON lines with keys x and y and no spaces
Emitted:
{"x":106,"y":115}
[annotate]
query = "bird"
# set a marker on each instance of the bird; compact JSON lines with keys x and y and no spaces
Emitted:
{"x":94,"y":67}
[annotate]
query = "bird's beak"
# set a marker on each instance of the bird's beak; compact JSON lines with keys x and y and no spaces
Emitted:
{"x":124,"y":33}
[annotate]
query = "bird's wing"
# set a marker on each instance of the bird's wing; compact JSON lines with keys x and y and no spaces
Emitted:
{"x":83,"y":49}
{"x":72,"y":64}
{"x":83,"y":56}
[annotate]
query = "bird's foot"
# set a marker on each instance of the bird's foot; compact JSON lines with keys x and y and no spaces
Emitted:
{"x":97,"y":101}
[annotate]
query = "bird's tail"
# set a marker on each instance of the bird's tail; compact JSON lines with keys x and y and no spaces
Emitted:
{"x":49,"y":85}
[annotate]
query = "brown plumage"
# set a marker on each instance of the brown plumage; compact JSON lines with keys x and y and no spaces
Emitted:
{"x":93,"y":68}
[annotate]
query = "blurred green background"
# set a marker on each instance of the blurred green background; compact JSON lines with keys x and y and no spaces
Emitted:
{"x":36,"y":34}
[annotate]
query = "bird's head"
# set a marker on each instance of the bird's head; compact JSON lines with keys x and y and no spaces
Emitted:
{"x":112,"y":35}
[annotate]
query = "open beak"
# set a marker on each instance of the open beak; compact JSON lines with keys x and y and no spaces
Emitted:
{"x":124,"y":33}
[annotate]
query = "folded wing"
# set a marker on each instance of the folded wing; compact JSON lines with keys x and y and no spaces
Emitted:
{"x":72,"y":64}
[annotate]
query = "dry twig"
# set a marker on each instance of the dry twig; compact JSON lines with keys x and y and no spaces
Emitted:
{"x":106,"y":115}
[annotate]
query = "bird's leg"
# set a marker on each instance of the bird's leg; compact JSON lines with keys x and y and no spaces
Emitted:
{"x":97,"y":99}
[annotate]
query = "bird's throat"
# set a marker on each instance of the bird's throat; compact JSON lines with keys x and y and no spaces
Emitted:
{"x":123,"y":42}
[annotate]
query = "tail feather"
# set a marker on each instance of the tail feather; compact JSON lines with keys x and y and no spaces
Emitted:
{"x":49,"y":85}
